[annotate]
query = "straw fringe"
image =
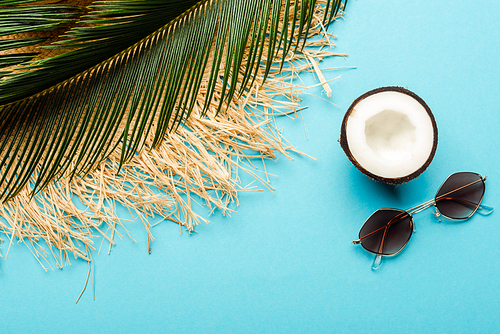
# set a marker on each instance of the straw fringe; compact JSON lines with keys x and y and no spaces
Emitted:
{"x":200,"y":162}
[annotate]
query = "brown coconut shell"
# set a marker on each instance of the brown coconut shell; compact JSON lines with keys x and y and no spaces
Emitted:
{"x":345,"y":145}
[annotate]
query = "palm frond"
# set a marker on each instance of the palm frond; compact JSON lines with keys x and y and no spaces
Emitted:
{"x":127,"y":69}
{"x":29,"y":19}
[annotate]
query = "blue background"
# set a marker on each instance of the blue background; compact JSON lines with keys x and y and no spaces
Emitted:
{"x":284,"y":262}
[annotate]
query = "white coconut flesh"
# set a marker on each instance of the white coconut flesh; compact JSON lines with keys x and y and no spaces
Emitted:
{"x":390,"y":134}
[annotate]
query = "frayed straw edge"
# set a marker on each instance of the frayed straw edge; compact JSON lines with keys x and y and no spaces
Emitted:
{"x":202,"y":160}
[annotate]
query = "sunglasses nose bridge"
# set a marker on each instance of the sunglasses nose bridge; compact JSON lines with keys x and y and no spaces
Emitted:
{"x":421,"y":207}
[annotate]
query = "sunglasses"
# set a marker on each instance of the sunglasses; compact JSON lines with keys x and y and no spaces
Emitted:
{"x":387,"y":231}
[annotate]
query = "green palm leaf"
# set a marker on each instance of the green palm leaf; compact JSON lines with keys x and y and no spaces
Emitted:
{"x":125,"y":69}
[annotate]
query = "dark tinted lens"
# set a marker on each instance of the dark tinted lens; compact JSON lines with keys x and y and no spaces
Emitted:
{"x":460,"y":195}
{"x":386,"y":232}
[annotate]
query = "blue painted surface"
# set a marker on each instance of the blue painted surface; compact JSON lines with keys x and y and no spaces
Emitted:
{"x":284,"y":261}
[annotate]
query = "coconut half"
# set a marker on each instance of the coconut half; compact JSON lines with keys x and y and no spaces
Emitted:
{"x":389,"y":134}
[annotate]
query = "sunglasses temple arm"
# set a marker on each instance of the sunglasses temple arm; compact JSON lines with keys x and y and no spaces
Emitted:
{"x":481,"y":209}
{"x":377,"y":262}
{"x":378,"y":258}
{"x":484,"y":210}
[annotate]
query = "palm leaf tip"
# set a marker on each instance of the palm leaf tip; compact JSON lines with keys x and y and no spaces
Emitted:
{"x":132,"y":68}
